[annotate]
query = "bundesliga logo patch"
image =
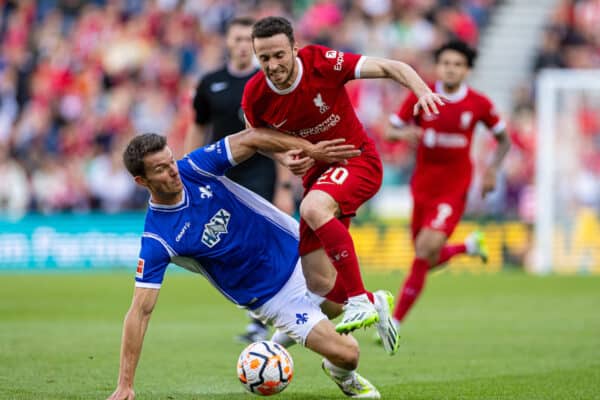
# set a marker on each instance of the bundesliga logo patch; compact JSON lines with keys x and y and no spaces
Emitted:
{"x":139,"y":272}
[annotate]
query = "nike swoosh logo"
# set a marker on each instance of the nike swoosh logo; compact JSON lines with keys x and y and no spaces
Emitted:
{"x":280,"y":124}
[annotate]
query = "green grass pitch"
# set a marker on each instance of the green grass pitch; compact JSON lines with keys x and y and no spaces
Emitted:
{"x":504,"y":336}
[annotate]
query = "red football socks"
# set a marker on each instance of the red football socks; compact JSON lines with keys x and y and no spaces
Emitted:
{"x":450,"y":251}
{"x":413,"y":285}
{"x":337,"y":294}
{"x":337,"y":242}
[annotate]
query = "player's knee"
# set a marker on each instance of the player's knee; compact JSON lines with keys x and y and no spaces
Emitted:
{"x":319,"y":283}
{"x":427,"y":252}
{"x":313,"y":215}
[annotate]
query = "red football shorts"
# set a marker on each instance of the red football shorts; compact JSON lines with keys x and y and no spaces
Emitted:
{"x":441,"y":213}
{"x":351,"y":185}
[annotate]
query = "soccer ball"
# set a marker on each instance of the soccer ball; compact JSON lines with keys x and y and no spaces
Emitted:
{"x":265,"y":368}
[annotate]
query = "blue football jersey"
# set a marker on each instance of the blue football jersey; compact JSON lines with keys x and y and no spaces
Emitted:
{"x":241,"y":243}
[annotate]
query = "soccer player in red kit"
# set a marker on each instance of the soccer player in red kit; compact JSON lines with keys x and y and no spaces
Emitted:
{"x":443,"y":169}
{"x":301,"y":92}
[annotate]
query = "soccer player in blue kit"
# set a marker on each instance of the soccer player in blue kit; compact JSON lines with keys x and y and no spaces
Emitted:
{"x":245,"y":247}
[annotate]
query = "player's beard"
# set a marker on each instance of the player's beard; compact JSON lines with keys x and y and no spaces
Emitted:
{"x":287,"y":82}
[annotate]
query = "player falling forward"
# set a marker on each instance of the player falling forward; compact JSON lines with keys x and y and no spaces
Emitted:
{"x":204,"y":222}
{"x":301,"y":92}
{"x":218,"y":113}
{"x":443,"y":169}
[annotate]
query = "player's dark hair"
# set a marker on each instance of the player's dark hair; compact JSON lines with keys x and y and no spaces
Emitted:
{"x":138,"y":148}
{"x":461,"y":47}
{"x":241,"y":21}
{"x":271,"y":26}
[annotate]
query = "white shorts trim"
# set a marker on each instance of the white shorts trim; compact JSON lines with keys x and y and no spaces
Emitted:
{"x":293,"y":310}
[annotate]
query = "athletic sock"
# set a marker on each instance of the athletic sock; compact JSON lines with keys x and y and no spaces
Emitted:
{"x":335,"y":370}
{"x":413,"y":285}
{"x":450,"y":251}
{"x":337,"y":242}
{"x":337,"y":294}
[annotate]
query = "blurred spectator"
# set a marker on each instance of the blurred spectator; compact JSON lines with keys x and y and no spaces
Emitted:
{"x":77,"y":77}
{"x":14,"y":187}
{"x":109,"y":182}
{"x":549,"y":55}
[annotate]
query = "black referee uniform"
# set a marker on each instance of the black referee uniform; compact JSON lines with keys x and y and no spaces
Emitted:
{"x":217,"y":103}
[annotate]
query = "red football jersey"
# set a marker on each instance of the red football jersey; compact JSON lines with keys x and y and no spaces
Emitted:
{"x":316,"y":107}
{"x":443,"y":163}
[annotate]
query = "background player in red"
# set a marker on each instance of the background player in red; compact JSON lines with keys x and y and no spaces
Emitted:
{"x":302,"y":92}
{"x":443,"y":169}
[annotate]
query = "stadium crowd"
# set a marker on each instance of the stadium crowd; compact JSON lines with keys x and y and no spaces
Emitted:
{"x":79,"y":78}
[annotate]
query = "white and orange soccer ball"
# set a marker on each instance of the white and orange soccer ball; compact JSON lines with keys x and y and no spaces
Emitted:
{"x":265,"y":368}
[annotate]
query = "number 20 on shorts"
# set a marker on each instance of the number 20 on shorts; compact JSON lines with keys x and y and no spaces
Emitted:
{"x":335,"y":175}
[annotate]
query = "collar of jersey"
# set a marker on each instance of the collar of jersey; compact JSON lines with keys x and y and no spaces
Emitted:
{"x":455,"y":97}
{"x":294,"y":85}
{"x":183,"y":203}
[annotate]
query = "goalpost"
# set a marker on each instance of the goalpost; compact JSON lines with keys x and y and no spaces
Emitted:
{"x":567,"y":198}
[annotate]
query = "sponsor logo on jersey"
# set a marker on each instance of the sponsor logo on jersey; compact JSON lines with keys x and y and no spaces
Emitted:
{"x":339,"y":61}
{"x":183,"y":230}
{"x":465,"y":119}
{"x":216,"y":227}
{"x":205,"y":192}
{"x":139,"y":272}
{"x":431,"y":139}
{"x":210,"y":148}
{"x":330,"y":54}
{"x":218,"y":87}
{"x":318,"y":100}
{"x":324,"y":126}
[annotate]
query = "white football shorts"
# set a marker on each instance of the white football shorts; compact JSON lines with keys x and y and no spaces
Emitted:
{"x":293,"y":310}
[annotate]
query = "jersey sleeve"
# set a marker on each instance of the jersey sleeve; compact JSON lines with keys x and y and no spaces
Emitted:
{"x":214,"y":158}
{"x":490,"y":117}
{"x":248,"y":104}
{"x":405,"y":113}
{"x":336,"y":66}
{"x":153,"y":262}
{"x":202,"y":109}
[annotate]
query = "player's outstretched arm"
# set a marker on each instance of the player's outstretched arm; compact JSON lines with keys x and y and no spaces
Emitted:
{"x":404,"y":74}
{"x":408,"y":133}
{"x":134,"y":329}
{"x":247,"y":142}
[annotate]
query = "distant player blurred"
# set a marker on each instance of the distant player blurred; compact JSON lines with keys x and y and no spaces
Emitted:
{"x":245,"y":247}
{"x":301,"y":92}
{"x":443,"y":169}
{"x":218,"y":113}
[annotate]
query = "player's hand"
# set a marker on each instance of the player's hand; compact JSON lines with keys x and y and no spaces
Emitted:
{"x":428,"y":103}
{"x":333,"y":151}
{"x":122,"y":393}
{"x":488,"y":181}
{"x":410,"y":134}
{"x":296,"y":161}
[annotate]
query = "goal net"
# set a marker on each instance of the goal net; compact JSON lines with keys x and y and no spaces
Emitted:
{"x":567,"y":224}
